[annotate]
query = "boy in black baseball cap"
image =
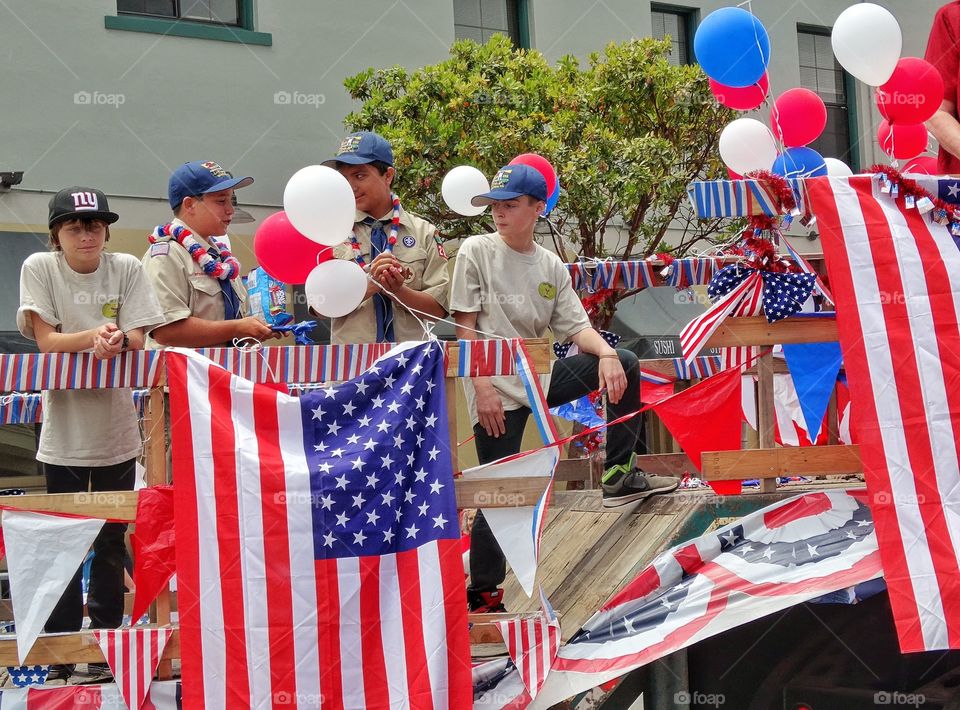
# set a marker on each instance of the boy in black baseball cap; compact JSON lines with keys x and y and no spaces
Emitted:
{"x":79,"y":298}
{"x":507,"y":285}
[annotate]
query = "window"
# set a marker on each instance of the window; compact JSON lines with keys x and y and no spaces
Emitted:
{"x":481,"y":19}
{"x":221,"y":12}
{"x":224,"y":20}
{"x":675,"y":23}
{"x":820,"y":72}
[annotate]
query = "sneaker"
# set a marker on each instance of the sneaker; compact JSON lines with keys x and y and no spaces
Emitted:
{"x":59,"y":675}
{"x":485,"y":602}
{"x":624,"y":484}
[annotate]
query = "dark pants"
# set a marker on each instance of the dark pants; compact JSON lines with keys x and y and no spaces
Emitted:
{"x":572,"y":378}
{"x":105,"y":598}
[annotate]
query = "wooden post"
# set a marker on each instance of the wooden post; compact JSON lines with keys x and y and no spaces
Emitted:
{"x":766,"y":413}
{"x":451,"y":384}
{"x":155,"y":460}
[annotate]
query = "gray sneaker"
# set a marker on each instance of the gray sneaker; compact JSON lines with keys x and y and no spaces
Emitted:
{"x":624,"y":484}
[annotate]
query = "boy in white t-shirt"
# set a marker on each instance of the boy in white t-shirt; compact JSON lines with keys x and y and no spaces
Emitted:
{"x":79,"y":298}
{"x":506,"y":284}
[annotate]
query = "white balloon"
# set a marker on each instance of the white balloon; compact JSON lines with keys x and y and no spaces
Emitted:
{"x":747,"y":145}
{"x":461,"y":185}
{"x":335,"y":287}
{"x":866,"y":40}
{"x":837,"y":168}
{"x":319,"y":203}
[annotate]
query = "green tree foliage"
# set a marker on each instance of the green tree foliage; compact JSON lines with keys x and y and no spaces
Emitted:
{"x":626,"y":133}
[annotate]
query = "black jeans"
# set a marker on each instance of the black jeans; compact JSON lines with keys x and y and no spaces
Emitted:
{"x":572,"y":378}
{"x":105,"y":598}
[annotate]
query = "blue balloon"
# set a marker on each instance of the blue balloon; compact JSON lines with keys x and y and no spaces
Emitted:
{"x":552,"y":198}
{"x":732,"y":46}
{"x":799,"y":162}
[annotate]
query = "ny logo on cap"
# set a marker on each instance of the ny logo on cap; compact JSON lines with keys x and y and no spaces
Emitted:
{"x":214,"y":169}
{"x":84,"y":201}
{"x":501,"y":178}
{"x":350,"y":144}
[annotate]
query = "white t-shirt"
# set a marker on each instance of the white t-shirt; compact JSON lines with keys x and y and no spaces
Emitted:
{"x":515,"y":296}
{"x":87,"y":427}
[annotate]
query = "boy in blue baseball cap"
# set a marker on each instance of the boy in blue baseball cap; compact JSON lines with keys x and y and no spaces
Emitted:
{"x":195,"y":276}
{"x":401,"y":251}
{"x":505,"y":284}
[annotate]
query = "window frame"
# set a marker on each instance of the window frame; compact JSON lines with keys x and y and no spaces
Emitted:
{"x":522,"y":16}
{"x":691,"y":15}
{"x":850,"y":94}
{"x":243,"y":33}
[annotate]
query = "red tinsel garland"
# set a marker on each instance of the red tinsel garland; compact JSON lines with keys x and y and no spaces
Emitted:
{"x":943,"y":211}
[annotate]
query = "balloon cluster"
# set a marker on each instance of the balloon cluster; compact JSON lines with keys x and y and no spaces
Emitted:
{"x":294,"y":245}
{"x":733,"y":48}
{"x":867,"y":41}
{"x":465,"y":182}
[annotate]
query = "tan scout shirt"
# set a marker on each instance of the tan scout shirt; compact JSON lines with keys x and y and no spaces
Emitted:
{"x":418,"y":249}
{"x":182,"y":287}
{"x":514,"y":296}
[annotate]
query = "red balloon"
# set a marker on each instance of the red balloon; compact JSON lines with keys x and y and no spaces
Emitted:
{"x":913,"y":92}
{"x":542,"y":166}
{"x":902,"y":140}
{"x":741,"y":99}
{"x":924,"y":165}
{"x":733,"y":175}
{"x":798,"y":117}
{"x":284,"y":253}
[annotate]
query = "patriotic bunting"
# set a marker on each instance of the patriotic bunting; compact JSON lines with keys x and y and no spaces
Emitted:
{"x":133,"y":656}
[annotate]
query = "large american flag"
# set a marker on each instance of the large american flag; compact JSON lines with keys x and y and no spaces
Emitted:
{"x":783,"y":555}
{"x":318,"y":547}
{"x":896,"y":280}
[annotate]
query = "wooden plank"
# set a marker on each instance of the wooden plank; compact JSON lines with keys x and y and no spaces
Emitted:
{"x":766,"y":412}
{"x":666,"y":464}
{"x":122,"y":505}
{"x":736,"y":332}
{"x":78,"y":647}
{"x":499,"y":492}
{"x":154,"y":426}
{"x":573,"y":470}
{"x":788,"y":461}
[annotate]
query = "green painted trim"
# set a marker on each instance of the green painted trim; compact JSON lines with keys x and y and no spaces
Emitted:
{"x":523,"y":23}
{"x":183,"y":28}
{"x":853,"y":125}
{"x":246,"y":14}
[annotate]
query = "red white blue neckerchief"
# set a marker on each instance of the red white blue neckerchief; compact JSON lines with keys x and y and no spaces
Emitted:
{"x":391,"y":238}
{"x":226,"y":268}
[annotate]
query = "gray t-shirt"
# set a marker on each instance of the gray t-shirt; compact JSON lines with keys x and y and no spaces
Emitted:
{"x":515,"y":296}
{"x":87,"y":427}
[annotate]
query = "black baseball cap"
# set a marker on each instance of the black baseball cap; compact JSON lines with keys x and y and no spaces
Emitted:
{"x":79,"y":202}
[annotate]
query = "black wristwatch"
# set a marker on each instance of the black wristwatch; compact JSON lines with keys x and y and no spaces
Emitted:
{"x":126,"y":341}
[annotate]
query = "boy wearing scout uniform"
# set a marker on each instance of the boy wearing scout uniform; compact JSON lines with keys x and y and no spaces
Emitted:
{"x":196,"y":278}
{"x":402,"y":252}
{"x":508,"y":285}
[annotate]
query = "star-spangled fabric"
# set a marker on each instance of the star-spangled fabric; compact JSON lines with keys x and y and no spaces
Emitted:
{"x":318,"y":545}
{"x":562,"y":351}
{"x":784,"y":293}
{"x":23,"y":676}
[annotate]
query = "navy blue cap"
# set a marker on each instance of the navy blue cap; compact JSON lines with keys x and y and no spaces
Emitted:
{"x":200,"y":178}
{"x":513,"y":181}
{"x":361,"y":148}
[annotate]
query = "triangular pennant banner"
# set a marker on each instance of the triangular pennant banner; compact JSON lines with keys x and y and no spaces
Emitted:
{"x":43,"y":553}
{"x":705,"y":417}
{"x":533,"y":644}
{"x":154,"y":554}
{"x":814,"y":368}
{"x":133,"y":656}
{"x":25,"y":676}
{"x":517,"y":528}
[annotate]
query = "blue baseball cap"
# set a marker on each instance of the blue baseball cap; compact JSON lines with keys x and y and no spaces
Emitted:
{"x":361,"y":148}
{"x":513,"y":181}
{"x":199,"y":178}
